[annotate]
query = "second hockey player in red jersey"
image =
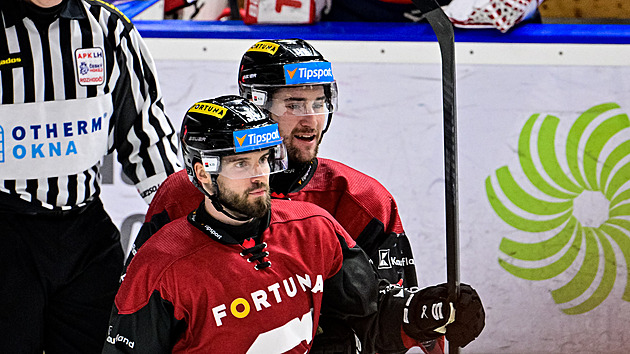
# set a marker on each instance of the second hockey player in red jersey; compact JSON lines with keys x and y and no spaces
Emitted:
{"x":244,"y":274}
{"x":293,"y":82}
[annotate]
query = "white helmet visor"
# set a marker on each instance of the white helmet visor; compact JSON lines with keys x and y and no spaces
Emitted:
{"x":296,"y":100}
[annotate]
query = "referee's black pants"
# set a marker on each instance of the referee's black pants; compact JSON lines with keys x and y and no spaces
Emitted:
{"x":59,"y":274}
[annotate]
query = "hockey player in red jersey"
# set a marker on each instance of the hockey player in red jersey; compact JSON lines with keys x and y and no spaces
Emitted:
{"x":246,"y":274}
{"x":292,"y":81}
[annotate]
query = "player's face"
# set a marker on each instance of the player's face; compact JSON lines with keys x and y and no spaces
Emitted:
{"x":302,"y":121}
{"x":246,"y":196}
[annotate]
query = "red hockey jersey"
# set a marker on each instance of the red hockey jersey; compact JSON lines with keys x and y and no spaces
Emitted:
{"x":190,"y":289}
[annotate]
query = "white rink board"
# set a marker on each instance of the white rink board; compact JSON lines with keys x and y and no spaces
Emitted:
{"x":389,"y":125}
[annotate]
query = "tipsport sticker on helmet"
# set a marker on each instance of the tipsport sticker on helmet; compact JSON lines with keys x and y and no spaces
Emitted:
{"x":256,"y":138}
{"x":208,"y":109}
{"x":265,"y":47}
{"x":306,"y":73}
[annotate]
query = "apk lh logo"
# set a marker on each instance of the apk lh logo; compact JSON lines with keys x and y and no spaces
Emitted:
{"x":569,"y":196}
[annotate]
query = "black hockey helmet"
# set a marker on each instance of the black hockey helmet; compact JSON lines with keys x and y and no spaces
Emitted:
{"x":228,"y":125}
{"x":273,"y":64}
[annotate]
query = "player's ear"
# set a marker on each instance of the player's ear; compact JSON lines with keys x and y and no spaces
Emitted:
{"x":201,"y":173}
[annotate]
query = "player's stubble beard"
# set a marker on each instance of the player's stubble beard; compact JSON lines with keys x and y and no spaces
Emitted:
{"x":298,"y":155}
{"x":241,"y":202}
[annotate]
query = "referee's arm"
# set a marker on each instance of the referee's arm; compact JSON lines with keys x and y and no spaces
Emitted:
{"x":144,"y":138}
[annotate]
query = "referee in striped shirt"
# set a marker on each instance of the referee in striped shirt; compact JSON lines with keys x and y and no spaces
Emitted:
{"x":76,"y":83}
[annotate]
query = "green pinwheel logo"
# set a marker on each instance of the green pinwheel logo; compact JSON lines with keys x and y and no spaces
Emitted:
{"x":570,"y":199}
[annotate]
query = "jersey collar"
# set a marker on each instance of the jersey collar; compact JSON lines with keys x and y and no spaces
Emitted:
{"x":14,"y":11}
{"x":226,"y":234}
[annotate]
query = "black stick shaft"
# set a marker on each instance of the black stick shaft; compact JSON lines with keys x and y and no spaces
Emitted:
{"x":443,"y":29}
{"x":447,"y":49}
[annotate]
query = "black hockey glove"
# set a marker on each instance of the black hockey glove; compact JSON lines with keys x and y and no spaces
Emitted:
{"x":470,"y":317}
{"x":427,"y":313}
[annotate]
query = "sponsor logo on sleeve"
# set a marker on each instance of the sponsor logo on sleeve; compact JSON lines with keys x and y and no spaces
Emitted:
{"x":147,"y":192}
{"x":49,"y":140}
{"x":387,"y":261}
{"x":117,"y":338}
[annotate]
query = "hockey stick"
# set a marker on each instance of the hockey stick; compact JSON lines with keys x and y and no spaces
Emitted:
{"x":441,"y":25}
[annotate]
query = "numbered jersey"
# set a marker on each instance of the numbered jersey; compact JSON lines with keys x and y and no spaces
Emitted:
{"x":188,"y":291}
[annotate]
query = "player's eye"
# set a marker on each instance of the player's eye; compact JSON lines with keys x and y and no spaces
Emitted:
{"x":297,"y":106}
{"x":241,"y":164}
{"x":318,"y":106}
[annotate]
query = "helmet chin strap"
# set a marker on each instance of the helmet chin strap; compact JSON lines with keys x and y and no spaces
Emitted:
{"x":328,"y":120}
{"x":216,"y":203}
{"x":218,"y":206}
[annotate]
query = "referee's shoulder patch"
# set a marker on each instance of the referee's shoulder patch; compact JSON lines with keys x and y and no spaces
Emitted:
{"x":111,"y":8}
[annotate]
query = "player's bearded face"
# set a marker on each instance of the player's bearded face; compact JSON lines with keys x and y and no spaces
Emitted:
{"x":245,"y":203}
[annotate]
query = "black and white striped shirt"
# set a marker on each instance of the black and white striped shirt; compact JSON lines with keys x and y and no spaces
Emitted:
{"x":72,"y":90}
